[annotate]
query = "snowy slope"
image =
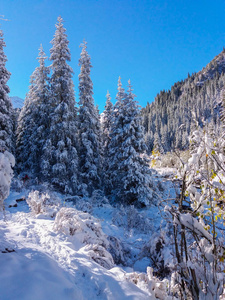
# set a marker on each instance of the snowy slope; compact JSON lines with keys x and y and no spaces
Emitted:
{"x":38,"y":261}
{"x":17,"y":102}
{"x":46,"y":266}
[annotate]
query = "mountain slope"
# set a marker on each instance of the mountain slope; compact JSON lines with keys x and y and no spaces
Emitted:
{"x":17,"y":102}
{"x":169,"y":120}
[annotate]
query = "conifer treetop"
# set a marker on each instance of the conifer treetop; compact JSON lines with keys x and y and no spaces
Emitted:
{"x":121,"y":91}
{"x":3,"y":59}
{"x":60,"y":52}
{"x":108,"y":96}
{"x":85,"y":82}
{"x":41,"y":55}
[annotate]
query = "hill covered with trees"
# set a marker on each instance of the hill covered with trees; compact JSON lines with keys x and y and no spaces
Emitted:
{"x":168,"y":121}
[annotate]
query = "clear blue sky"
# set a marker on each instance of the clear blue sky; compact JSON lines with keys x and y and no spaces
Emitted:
{"x":153,"y":43}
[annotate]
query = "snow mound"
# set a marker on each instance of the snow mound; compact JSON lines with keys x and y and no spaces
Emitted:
{"x":44,"y":265}
{"x":35,"y":276}
{"x":86,"y":228}
{"x":157,"y":288}
{"x":100,"y":255}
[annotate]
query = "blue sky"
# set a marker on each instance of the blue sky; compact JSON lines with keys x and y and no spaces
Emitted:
{"x":153,"y":43}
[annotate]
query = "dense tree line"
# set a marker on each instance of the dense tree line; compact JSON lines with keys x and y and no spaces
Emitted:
{"x":65,"y":144}
{"x":168,"y":121}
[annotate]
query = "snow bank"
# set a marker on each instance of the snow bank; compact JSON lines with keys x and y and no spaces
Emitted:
{"x":158,"y":289}
{"x":34,"y":275}
{"x":46,"y":266}
{"x":86,"y":228}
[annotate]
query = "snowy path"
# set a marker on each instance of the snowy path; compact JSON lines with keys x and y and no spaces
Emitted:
{"x":46,"y":265}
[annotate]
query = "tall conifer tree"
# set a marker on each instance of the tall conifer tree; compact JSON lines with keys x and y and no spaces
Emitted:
{"x":59,"y":165}
{"x":6,"y":111}
{"x":130,"y":173}
{"x":106,"y":127}
{"x":33,"y":120}
{"x":89,"y":131}
{"x":116,"y":139}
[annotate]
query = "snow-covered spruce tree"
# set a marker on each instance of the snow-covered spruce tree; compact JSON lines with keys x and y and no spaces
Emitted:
{"x":157,"y":143}
{"x":6,"y":110}
{"x":130,"y":173}
{"x":107,"y":120}
{"x":89,"y":131}
{"x":33,"y":120}
{"x":59,"y":161}
{"x":112,"y":179}
{"x":164,"y":140}
{"x":106,"y":127}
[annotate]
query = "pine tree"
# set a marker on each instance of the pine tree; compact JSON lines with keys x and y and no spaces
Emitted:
{"x":107,"y":120}
{"x":164,"y":139}
{"x":42,"y":101}
{"x":106,"y":127}
{"x":222,"y":113}
{"x":157,"y":143}
{"x":33,"y":120}
{"x":6,"y":111}
{"x":59,"y":161}
{"x":130,"y":174}
{"x":116,"y":138}
{"x":24,"y":132}
{"x":89,"y":131}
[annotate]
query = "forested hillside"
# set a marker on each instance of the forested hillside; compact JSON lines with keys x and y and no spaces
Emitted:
{"x":168,"y":121}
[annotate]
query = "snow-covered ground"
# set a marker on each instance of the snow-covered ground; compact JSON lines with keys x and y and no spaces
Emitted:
{"x":40,"y":261}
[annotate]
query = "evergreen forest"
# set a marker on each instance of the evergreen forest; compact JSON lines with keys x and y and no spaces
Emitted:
{"x":129,"y":203}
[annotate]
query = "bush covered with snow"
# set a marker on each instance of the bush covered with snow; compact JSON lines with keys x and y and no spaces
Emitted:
{"x":7,"y":162}
{"x":87,"y":204}
{"x":157,"y":288}
{"x":172,"y":160}
{"x":199,"y":234}
{"x":100,"y":255}
{"x":82,"y":225}
{"x":17,"y":184}
{"x":98,"y":198}
{"x":43,"y":203}
{"x":158,"y":251}
{"x":83,"y":204}
{"x":130,"y":218}
{"x":120,"y":252}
